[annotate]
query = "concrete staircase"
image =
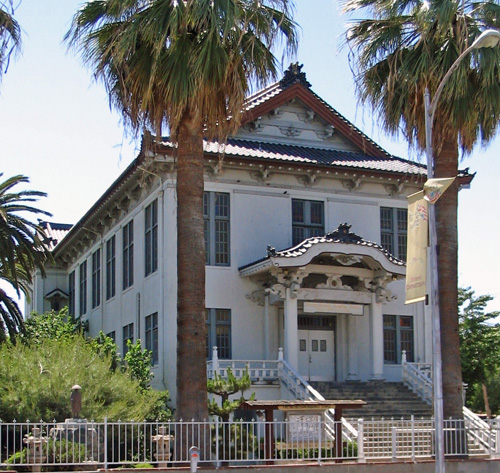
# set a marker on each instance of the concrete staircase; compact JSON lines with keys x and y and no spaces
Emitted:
{"x":383,"y":399}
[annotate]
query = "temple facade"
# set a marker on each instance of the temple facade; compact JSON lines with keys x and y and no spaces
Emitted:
{"x":305,"y":235}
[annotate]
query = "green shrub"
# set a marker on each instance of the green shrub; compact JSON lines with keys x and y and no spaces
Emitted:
{"x":36,"y":381}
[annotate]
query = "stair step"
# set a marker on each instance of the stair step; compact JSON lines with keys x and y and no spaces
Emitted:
{"x":384,"y":399}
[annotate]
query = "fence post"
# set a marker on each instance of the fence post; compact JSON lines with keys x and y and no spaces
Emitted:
{"x":394,"y":444}
{"x":361,"y":441}
{"x":320,"y":443}
{"x":413,"y":438}
{"x":215,"y":361}
{"x":217,"y":450}
{"x":106,"y":444}
{"x":497,"y":439}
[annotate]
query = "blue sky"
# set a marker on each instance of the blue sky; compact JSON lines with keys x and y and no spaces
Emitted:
{"x":56,"y":127}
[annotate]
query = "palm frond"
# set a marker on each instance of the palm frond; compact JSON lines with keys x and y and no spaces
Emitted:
{"x":159,"y":59}
{"x":10,"y":38}
{"x":405,"y":46}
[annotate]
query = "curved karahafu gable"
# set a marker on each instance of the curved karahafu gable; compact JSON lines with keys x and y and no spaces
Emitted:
{"x":345,"y":247}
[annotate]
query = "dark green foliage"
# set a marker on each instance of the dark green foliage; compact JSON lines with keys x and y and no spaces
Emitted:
{"x":234,"y":439}
{"x":479,"y":337}
{"x":475,"y":399}
{"x":10,"y":34}
{"x":51,"y":325}
{"x":479,"y":347}
{"x":224,"y":388}
{"x":24,"y":248}
{"x":139,"y":364}
{"x":36,"y":376}
{"x":105,"y":346}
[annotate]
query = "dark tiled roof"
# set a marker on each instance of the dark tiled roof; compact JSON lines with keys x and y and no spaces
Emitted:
{"x":313,"y":156}
{"x":292,"y":76}
{"x":341,"y":235}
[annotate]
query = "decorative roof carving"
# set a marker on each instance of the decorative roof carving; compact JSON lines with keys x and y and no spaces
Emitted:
{"x":294,"y":75}
{"x":344,"y":235}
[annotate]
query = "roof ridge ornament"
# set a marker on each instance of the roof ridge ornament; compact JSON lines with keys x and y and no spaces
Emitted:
{"x":344,"y":235}
{"x":294,"y":75}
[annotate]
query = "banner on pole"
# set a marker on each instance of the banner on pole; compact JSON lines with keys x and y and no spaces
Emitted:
{"x":434,"y":188}
{"x":416,"y":254}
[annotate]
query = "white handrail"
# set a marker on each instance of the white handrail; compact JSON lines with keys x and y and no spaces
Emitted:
{"x":480,"y":431}
{"x":418,"y":377}
{"x":300,"y":388}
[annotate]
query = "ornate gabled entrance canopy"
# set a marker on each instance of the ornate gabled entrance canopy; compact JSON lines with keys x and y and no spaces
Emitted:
{"x":339,"y":273}
{"x":339,"y":260}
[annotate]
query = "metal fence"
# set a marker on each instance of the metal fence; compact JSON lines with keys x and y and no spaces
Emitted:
{"x":32,"y":445}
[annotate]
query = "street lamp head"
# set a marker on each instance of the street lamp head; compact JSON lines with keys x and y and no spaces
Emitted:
{"x":487,"y":39}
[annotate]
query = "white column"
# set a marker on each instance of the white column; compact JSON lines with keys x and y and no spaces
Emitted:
{"x":291,"y":330}
{"x":266,"y":325}
{"x":353,"y":348}
{"x":377,"y":338}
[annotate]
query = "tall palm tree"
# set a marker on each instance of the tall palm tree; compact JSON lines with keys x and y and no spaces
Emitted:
{"x":399,"y":49}
{"x":23,"y":248}
{"x":186,"y":65}
{"x":10,"y":34}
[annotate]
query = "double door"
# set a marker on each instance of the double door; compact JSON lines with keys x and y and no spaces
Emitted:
{"x":317,"y":355}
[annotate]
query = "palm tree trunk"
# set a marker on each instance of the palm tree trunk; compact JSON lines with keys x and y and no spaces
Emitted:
{"x":191,"y":350}
{"x":446,"y":165}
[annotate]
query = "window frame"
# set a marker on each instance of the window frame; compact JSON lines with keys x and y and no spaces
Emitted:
{"x":71,"y":292}
{"x":151,"y":336}
{"x":128,"y":255}
{"x":83,"y":288}
{"x":397,"y":331}
{"x":151,"y":238}
{"x":394,"y":237}
{"x":127,"y":334}
{"x":307,"y":227}
{"x":111,"y":268}
{"x":217,"y":238}
{"x":213,"y":323}
{"x":96,"y":278}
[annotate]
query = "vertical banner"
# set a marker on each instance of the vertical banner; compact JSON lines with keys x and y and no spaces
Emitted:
{"x":416,"y":255}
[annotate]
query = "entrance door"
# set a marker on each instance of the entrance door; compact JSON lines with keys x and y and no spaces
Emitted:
{"x":317,"y":355}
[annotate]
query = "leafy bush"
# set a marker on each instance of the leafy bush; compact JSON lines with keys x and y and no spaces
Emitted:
{"x":36,"y":377}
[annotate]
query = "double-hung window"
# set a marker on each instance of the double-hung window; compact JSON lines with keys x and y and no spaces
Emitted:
{"x":152,"y":337}
{"x":151,"y":238}
{"x":128,"y":255}
{"x":219,"y":332}
{"x":72,"y":293}
{"x":110,"y":268}
{"x":83,"y":288}
{"x":398,"y":336}
{"x":307,"y":219}
{"x":96,"y":278}
{"x":394,"y":231}
{"x":128,"y":334}
{"x":217,"y":228}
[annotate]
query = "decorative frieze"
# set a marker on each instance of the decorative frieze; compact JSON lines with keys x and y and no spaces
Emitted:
{"x":290,"y":131}
{"x":352,"y":184}
{"x":261,"y":175}
{"x":309,"y":179}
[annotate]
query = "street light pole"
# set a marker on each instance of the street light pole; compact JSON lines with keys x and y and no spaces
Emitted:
{"x":487,"y":39}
